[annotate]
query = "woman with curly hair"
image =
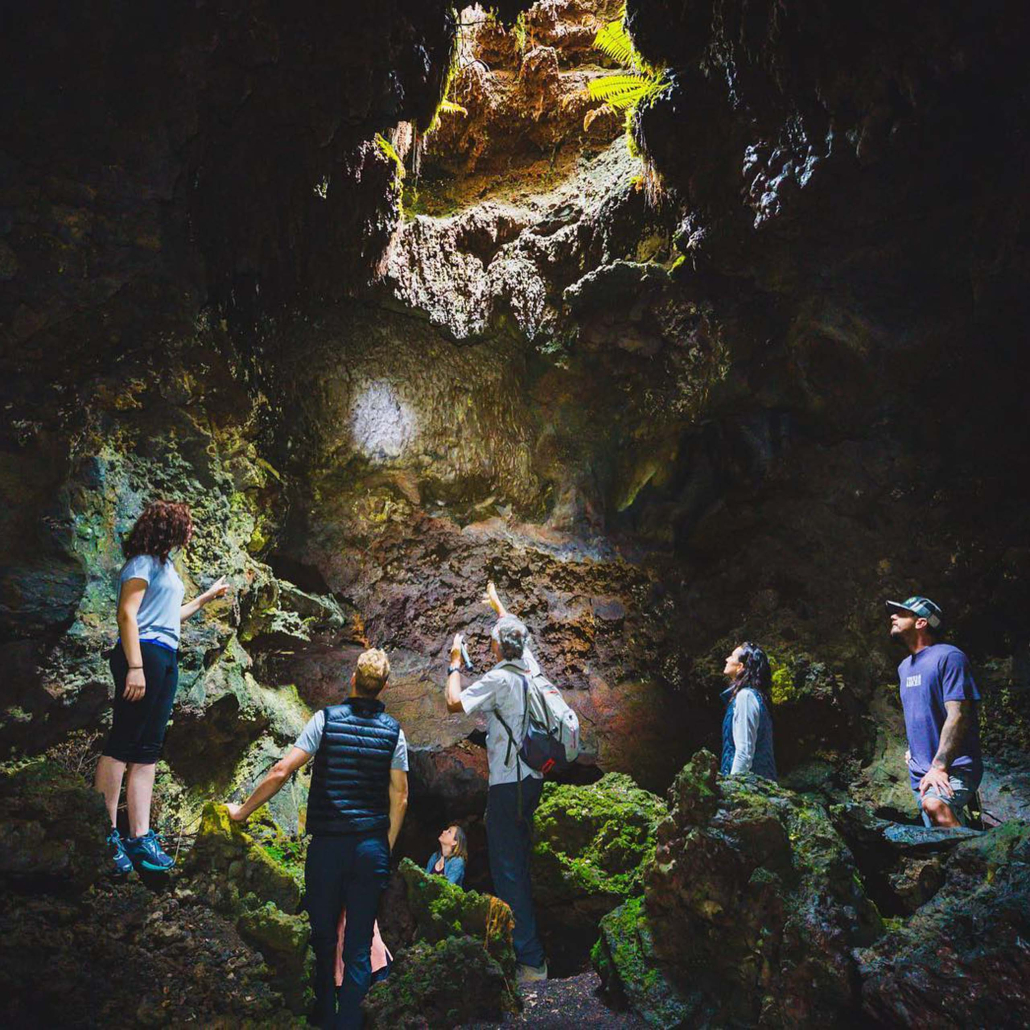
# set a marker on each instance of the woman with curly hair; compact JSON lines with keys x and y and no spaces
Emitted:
{"x":144,"y":664}
{"x":747,"y":731}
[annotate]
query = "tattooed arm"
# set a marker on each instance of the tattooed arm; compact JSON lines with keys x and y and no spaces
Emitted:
{"x":953,"y":732}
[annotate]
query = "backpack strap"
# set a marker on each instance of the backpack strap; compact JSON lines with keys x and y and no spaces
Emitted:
{"x":511,"y":737}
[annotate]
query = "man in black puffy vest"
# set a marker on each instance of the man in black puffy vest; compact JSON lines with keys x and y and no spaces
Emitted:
{"x":359,"y":792}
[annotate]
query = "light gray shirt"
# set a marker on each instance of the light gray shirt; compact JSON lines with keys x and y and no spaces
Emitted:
{"x":311,"y":737}
{"x":158,"y":615}
{"x":498,"y":695}
{"x":747,"y":711}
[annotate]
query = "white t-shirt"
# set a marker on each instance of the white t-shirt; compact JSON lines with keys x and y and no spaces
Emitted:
{"x":499,"y":693}
{"x":158,"y":616}
{"x":311,"y":737}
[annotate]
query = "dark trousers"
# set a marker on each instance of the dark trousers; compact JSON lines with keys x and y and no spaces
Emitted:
{"x":138,"y":728}
{"x":349,"y":871}
{"x":508,"y":838}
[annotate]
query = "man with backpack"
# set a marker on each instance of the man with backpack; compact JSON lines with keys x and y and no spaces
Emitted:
{"x":528,"y":729}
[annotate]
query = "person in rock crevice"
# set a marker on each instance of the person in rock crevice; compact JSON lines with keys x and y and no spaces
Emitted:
{"x":356,"y":806}
{"x":449,"y":859}
{"x":747,"y":730}
{"x":514,"y":788}
{"x":145,"y":667}
{"x":941,"y":703}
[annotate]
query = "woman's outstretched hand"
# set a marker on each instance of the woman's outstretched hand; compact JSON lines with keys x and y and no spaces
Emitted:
{"x":217,"y":589}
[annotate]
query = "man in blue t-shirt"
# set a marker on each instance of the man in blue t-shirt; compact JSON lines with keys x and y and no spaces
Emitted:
{"x":940,"y":701}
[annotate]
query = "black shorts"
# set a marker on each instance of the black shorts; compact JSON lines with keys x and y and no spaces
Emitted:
{"x":138,"y":729}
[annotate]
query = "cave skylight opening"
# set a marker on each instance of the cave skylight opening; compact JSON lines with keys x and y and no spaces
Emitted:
{"x":382,"y":424}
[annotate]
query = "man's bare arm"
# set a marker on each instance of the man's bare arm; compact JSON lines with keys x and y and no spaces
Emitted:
{"x":491,"y":598}
{"x":453,"y":693}
{"x":454,"y":678}
{"x":271,"y":784}
{"x":953,"y":732}
{"x":398,"y":803}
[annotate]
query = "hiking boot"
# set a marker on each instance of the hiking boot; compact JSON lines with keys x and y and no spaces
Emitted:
{"x":145,"y":853}
{"x":120,"y":861}
{"x":529,"y":974}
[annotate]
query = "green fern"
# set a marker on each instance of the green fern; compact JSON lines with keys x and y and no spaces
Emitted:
{"x":388,"y":151}
{"x":519,"y":31}
{"x":625,"y":90}
{"x":613,"y":41}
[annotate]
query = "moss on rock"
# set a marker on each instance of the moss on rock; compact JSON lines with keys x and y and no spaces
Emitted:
{"x":441,"y":911}
{"x":283,"y":941}
{"x":451,"y":982}
{"x":591,"y":844}
{"x":460,"y":964}
{"x":593,"y":839}
{"x":257,"y":885}
{"x":224,"y":854}
{"x":624,"y":958}
{"x":753,"y":905}
{"x":52,"y":828}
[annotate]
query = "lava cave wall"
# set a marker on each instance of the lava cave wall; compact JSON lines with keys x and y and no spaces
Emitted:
{"x":852,"y":173}
{"x":816,"y":409}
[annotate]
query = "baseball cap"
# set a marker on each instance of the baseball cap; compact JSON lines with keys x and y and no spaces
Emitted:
{"x":921,"y":606}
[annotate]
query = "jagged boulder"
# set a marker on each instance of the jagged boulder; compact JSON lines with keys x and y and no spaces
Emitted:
{"x":455,"y":960}
{"x":224,"y":856}
{"x":902,"y":866}
{"x":624,"y":957}
{"x":591,"y":844}
{"x":439,"y":985}
{"x":961,"y":959}
{"x":123,"y":955}
{"x":440,"y":910}
{"x":257,"y":884}
{"x":752,"y":907}
{"x":52,"y":828}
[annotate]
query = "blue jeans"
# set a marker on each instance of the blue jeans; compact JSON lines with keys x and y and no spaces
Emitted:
{"x":349,"y":871}
{"x":508,"y":841}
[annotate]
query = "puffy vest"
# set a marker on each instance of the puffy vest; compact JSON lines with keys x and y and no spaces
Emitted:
{"x":350,"y":782}
{"x":764,"y":762}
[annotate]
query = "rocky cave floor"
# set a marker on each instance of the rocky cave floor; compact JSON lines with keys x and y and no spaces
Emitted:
{"x":652,"y":909}
{"x":573,"y":1001}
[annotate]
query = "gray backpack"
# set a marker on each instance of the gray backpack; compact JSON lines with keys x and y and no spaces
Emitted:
{"x":549,"y":738}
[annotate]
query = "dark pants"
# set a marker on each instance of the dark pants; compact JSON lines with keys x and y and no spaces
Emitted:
{"x":138,"y":729}
{"x":344,"y":872}
{"x":508,"y":840}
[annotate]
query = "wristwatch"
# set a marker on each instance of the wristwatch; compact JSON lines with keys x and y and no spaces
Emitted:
{"x":453,"y":668}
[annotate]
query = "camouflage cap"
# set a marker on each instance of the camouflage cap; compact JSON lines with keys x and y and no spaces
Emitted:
{"x":922,"y":607}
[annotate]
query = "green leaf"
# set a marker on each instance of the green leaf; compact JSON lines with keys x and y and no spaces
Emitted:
{"x":388,"y":151}
{"x":624,"y":91}
{"x":613,"y":41}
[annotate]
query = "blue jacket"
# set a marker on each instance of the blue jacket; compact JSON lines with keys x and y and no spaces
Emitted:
{"x":350,"y":783}
{"x":453,"y":868}
{"x":763,"y":762}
